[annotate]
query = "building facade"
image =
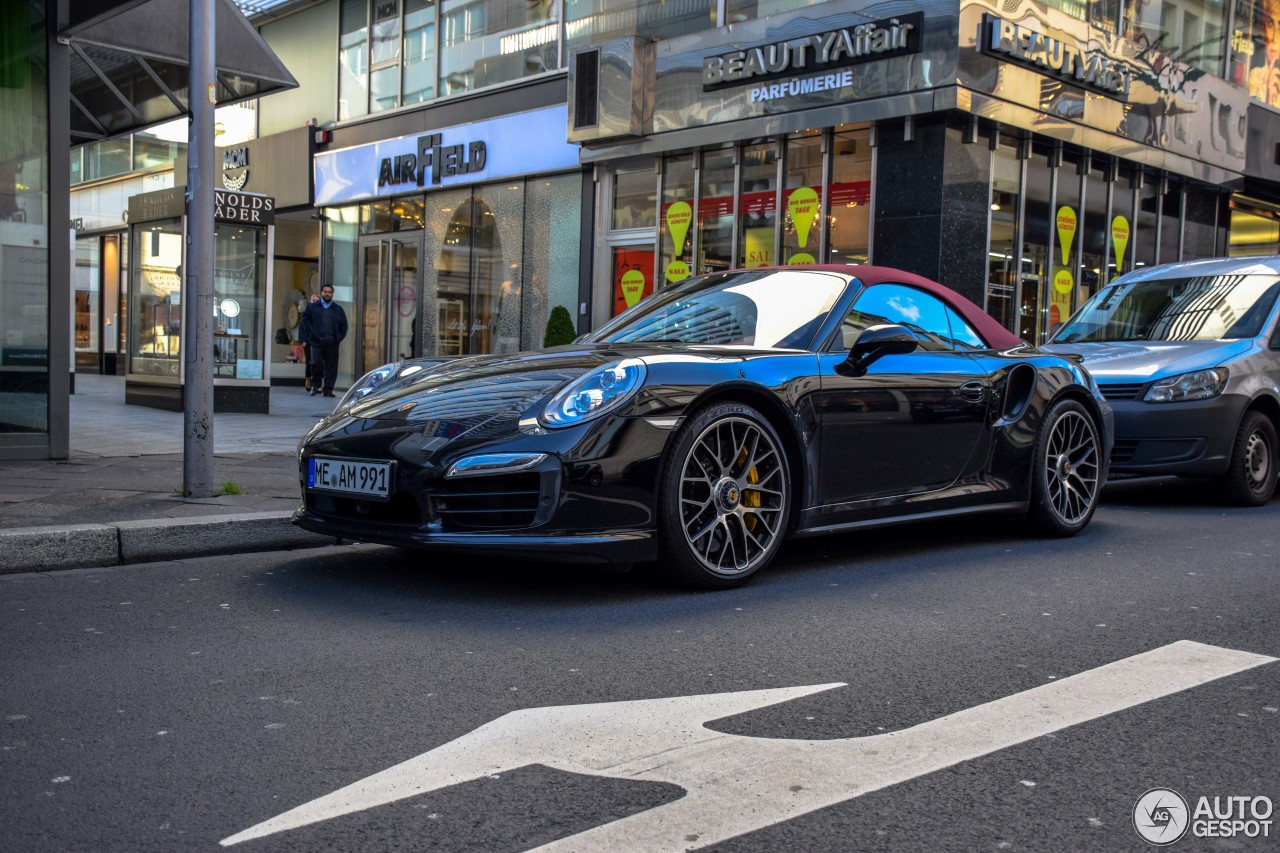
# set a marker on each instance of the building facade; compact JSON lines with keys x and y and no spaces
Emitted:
{"x":1022,"y":154}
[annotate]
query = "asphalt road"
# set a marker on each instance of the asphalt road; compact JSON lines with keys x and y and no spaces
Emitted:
{"x":171,"y":706}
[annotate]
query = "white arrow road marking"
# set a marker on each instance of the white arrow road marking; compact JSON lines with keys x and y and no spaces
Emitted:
{"x":737,"y":784}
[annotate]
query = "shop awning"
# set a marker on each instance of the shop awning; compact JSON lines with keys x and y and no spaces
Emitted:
{"x":129,"y":59}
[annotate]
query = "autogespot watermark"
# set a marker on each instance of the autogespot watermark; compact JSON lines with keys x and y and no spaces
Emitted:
{"x":1161,"y":816}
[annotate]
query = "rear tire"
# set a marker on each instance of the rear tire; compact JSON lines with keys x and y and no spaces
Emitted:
{"x":1066,"y":464}
{"x":725,"y":498}
{"x":1251,"y":474}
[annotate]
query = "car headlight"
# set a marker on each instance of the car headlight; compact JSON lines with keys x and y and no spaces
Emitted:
{"x":590,"y":396}
{"x":368,"y":384}
{"x":1196,"y":385}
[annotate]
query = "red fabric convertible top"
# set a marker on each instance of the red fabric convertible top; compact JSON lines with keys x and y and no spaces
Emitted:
{"x":996,"y":336}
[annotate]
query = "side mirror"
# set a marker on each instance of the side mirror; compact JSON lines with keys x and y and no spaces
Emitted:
{"x":874,"y":343}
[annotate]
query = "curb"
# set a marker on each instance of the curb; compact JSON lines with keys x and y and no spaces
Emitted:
{"x":122,"y":543}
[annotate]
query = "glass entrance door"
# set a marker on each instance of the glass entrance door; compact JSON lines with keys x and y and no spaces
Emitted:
{"x":386,"y":316}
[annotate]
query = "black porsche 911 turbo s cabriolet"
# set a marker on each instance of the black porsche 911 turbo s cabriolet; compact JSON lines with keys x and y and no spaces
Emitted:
{"x":710,"y":422}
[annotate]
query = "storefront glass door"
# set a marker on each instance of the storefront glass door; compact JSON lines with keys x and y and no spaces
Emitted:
{"x":385,"y":321}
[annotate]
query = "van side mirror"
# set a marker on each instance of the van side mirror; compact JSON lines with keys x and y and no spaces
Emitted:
{"x":874,"y":343}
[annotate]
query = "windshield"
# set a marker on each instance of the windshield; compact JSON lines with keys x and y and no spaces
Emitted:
{"x":1206,"y":308}
{"x":779,"y":309}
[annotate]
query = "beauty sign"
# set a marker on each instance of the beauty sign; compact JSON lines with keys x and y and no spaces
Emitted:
{"x":1067,"y":222}
{"x":1120,"y":240}
{"x":679,"y":216}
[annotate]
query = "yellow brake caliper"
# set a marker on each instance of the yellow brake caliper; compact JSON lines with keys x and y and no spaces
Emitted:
{"x":750,"y":497}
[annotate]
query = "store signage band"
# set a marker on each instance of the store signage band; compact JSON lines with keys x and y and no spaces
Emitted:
{"x":846,"y":46}
{"x":518,"y":144}
{"x":1091,"y":69}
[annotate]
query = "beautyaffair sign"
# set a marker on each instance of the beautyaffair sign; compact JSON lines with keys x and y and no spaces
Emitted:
{"x":801,"y":57}
{"x":1091,"y":69}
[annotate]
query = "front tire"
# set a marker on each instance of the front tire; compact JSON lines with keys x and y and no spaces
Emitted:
{"x":1066,"y":464}
{"x":1251,"y":474}
{"x":725,"y":498}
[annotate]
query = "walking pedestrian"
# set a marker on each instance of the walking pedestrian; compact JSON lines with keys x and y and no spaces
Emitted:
{"x":306,"y":357}
{"x":324,"y":323}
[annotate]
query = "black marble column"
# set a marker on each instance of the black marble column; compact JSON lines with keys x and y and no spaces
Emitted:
{"x":932,"y":198}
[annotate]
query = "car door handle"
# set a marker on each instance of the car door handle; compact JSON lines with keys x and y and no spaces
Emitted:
{"x":974,"y":392}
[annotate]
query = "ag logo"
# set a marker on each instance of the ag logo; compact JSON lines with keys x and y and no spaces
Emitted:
{"x":1161,"y":816}
{"x":232,"y":159}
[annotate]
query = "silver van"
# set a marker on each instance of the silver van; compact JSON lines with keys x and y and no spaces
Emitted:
{"x":1188,"y":354}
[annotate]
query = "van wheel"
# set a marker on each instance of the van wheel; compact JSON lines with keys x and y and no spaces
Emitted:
{"x":1251,"y":475}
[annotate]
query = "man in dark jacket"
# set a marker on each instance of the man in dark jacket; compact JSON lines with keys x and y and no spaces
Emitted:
{"x":324,"y":324}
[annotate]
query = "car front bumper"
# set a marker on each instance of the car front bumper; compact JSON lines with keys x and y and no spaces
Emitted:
{"x":599,"y":547}
{"x":1190,"y":439}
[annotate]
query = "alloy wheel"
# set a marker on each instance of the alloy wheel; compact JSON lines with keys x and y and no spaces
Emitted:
{"x":732,"y":496}
{"x":1072,"y":463}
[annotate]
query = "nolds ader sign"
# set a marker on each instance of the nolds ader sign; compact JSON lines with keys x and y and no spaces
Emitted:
{"x":243,"y":207}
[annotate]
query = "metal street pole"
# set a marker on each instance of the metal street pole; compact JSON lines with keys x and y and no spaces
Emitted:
{"x":197,"y":349}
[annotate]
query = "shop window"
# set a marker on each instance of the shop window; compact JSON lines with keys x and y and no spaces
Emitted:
{"x":802,"y":199}
{"x":1255,"y":49}
{"x":1002,"y":248}
{"x":715,"y":211}
{"x":1096,"y":231}
{"x":1035,"y":271}
{"x":239,"y":301}
{"x":1122,"y":224}
{"x":633,"y":199}
{"x":155,"y":326}
{"x":1201,"y":227}
{"x":849,"y":197}
{"x":1065,"y":232}
{"x":86,"y":276}
{"x":758,"y":205}
{"x":631,"y":269}
{"x":589,"y":22}
{"x":496,"y":276}
{"x":1255,"y":229}
{"x":677,"y":216}
{"x":552,"y":246}
{"x":1147,"y":218}
{"x":1171,"y":225}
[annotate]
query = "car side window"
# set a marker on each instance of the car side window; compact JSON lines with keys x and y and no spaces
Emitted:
{"x":963,"y":336}
{"x":922,"y":314}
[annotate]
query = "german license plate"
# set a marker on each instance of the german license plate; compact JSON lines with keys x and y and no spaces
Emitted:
{"x":350,"y":477}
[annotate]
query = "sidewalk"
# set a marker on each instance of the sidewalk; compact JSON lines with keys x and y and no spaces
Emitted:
{"x":117,"y":500}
